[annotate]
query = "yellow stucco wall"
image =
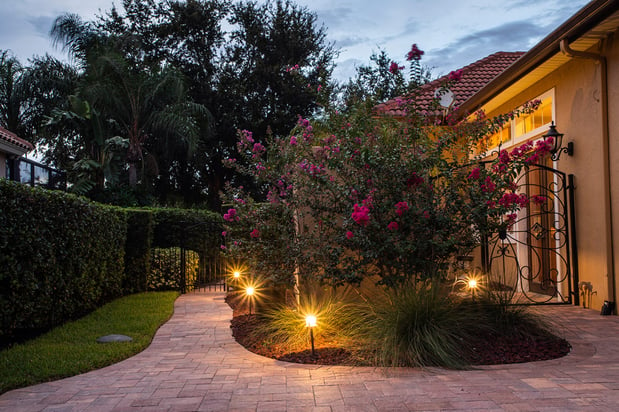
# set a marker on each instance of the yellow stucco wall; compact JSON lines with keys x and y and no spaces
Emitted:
{"x":579,"y":115}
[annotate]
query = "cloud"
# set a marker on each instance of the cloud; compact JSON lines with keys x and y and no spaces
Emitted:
{"x":351,"y":41}
{"x":347,"y":69}
{"x":512,"y":36}
{"x":42,"y":24}
{"x":335,"y":17}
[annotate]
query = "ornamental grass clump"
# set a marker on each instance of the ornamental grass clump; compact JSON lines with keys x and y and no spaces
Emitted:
{"x":420,"y":326}
{"x":339,"y":312}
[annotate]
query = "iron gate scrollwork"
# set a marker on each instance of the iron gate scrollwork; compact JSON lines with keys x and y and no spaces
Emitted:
{"x":533,"y":259}
{"x":208,"y":268}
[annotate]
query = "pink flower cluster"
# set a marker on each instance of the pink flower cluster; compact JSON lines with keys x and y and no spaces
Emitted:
{"x":488,"y":185}
{"x":292,"y":68}
{"x":231,"y":216}
{"x":400,"y":208}
{"x":258,"y":148}
{"x":255,"y":234}
{"x":414,"y":54}
{"x":475,"y":174}
{"x":308,"y":132}
{"x":393,"y":226}
{"x":394,"y":68}
{"x":510,"y":199}
{"x":455,"y":75}
{"x":361,"y":214}
{"x":311,"y":168}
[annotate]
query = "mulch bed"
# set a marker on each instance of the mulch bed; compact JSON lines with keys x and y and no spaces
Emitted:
{"x":486,"y":350}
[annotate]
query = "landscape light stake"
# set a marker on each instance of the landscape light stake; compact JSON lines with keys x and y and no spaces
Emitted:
{"x":310,"y":322}
{"x":250,"y":294}
{"x":472,"y":285}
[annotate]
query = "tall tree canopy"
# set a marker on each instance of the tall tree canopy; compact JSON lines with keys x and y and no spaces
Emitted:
{"x":147,"y":71}
{"x":271,"y":65}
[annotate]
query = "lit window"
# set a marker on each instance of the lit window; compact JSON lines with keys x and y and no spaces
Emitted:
{"x":541,"y":117}
{"x":524,"y":127}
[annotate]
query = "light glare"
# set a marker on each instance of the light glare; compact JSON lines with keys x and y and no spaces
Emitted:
{"x":310,"y":321}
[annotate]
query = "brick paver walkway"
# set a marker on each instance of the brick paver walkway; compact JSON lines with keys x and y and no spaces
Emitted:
{"x":194,"y":364}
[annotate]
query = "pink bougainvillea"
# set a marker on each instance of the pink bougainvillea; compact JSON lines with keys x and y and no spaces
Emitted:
{"x":393,"y":226}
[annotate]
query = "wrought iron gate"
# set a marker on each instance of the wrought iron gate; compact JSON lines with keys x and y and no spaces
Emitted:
{"x":536,"y":260}
{"x":208,"y":269}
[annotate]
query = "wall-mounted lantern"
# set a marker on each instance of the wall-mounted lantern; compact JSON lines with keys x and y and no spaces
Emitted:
{"x":557,"y":143}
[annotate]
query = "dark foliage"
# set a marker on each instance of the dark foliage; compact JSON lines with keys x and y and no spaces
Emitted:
{"x":61,"y":256}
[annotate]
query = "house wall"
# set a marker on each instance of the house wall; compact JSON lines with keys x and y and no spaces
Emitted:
{"x":613,"y":132}
{"x":579,"y":115}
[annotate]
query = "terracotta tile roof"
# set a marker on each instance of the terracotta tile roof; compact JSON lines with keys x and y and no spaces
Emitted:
{"x":12,"y":138}
{"x":474,"y":77}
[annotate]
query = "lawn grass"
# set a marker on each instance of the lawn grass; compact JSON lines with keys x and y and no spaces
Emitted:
{"x":72,"y":348}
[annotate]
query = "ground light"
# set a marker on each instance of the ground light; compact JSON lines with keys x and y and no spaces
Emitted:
{"x":310,"y":322}
{"x":235,"y":272}
{"x":249,"y":291}
{"x":473,"y":285}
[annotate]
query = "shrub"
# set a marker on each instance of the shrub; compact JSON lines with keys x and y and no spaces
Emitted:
{"x":354,"y":195}
{"x":140,"y":228}
{"x":61,"y":256}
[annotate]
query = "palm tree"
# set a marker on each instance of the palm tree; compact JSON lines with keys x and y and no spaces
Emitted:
{"x":141,"y":102}
{"x":12,"y":96}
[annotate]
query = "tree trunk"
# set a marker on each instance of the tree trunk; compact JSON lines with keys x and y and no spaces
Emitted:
{"x":133,"y":175}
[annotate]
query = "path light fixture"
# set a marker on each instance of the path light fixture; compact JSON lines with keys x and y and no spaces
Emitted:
{"x":472,"y":284}
{"x":236,"y":276}
{"x":557,"y":143}
{"x":310,"y":322}
{"x":249,"y":291}
{"x":235,"y":272}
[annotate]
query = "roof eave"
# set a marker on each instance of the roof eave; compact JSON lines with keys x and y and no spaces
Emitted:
{"x":13,"y":149}
{"x":580,"y":23}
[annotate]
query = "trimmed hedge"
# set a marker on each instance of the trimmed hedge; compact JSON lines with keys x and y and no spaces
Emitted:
{"x":198,"y":230}
{"x":61,"y":256}
{"x":140,"y":228}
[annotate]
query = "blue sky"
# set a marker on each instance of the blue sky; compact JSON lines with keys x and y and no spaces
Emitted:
{"x":452,"y":33}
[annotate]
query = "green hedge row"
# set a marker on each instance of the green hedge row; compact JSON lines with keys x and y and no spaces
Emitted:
{"x":62,"y":256}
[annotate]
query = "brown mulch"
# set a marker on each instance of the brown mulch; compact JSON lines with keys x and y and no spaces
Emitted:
{"x":486,"y":350}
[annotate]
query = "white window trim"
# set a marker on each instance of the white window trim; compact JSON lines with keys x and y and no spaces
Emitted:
{"x":537,"y":131}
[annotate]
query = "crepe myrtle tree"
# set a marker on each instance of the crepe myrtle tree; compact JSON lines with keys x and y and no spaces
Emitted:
{"x":360,"y":194}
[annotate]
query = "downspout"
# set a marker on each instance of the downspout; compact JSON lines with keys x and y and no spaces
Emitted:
{"x":610,"y":258}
